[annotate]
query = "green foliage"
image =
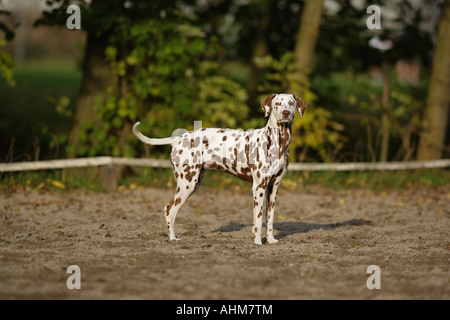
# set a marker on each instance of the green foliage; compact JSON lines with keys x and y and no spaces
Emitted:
{"x":6,"y":66}
{"x":316,"y":135}
{"x":221,"y":103}
{"x":355,"y":101}
{"x":165,"y":78}
{"x":6,"y":63}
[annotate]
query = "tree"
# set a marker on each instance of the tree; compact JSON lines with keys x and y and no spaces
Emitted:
{"x":433,"y":134}
{"x":307,"y":36}
{"x":148,"y":61}
{"x":97,"y":76}
{"x":261,"y":48}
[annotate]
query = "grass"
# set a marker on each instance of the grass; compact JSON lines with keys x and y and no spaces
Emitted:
{"x":163,"y":178}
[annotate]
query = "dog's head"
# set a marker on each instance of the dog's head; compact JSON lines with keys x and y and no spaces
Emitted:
{"x":283,"y":106}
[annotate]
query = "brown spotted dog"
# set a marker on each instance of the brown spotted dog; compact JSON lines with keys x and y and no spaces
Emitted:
{"x":258,"y":156}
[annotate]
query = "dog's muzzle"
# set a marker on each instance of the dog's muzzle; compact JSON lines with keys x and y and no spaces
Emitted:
{"x":286,"y":116}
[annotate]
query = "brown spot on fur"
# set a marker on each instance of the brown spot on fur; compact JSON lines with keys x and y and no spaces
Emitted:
{"x":245,"y":174}
{"x":284,"y":138}
{"x":188,"y":174}
{"x":177,"y":202}
{"x":206,"y":143}
{"x":168,"y":207}
{"x":224,"y":138}
{"x":271,"y":205}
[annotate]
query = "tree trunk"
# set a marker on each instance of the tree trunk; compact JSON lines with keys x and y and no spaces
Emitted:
{"x":385,"y":124}
{"x":97,"y":77}
{"x":261,"y":50}
{"x":433,"y":134}
{"x":305,"y":44}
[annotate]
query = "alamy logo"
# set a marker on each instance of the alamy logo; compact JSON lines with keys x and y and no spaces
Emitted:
{"x":74,"y":281}
{"x":374,"y":281}
{"x":74,"y":21}
{"x":373,"y":21}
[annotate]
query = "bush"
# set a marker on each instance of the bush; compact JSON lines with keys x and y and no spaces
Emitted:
{"x":167,"y":77}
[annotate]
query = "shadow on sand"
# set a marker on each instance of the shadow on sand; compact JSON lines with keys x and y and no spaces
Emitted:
{"x":287,"y":228}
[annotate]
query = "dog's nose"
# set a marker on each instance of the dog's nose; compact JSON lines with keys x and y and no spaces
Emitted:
{"x":286,"y":114}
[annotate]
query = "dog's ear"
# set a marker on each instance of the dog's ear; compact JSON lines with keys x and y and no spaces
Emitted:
{"x":301,"y":106}
{"x":266,"y":104}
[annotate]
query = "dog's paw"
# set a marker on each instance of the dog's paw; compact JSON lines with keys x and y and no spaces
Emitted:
{"x":272,"y":240}
{"x":258,"y":241}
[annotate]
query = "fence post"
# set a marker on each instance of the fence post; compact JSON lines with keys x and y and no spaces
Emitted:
{"x":107,"y":177}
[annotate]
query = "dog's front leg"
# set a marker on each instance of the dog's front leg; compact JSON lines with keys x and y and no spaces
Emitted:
{"x":270,"y":210}
{"x":259,"y":195}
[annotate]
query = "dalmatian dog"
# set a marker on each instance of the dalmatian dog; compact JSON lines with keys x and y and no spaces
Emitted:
{"x":258,"y":156}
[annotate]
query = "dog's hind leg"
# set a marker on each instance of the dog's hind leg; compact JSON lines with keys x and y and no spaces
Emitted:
{"x":188,"y":182}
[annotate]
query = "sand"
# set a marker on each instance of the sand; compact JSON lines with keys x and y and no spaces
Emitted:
{"x":327,"y":240}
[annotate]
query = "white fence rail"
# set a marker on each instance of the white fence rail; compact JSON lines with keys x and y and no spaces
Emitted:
{"x":158,"y":163}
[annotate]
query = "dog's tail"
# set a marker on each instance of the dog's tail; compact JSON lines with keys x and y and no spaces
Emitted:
{"x":148,"y":140}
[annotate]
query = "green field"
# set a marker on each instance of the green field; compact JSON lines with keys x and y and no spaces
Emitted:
{"x":163,"y":178}
{"x":29,"y":120}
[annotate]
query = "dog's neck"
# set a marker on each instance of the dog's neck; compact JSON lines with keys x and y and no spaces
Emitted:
{"x":283,"y":132}
{"x":274,"y":124}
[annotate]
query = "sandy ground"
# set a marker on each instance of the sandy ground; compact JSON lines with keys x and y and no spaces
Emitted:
{"x":327,"y":240}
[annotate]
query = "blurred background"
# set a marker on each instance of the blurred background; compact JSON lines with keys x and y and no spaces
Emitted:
{"x":373,"y":94}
